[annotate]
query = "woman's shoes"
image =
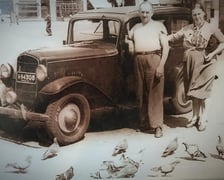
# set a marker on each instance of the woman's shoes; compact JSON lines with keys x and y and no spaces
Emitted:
{"x":201,"y":126}
{"x":198,"y":122}
{"x":193,"y":122}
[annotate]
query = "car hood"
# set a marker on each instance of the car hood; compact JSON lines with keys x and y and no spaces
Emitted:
{"x":70,"y":52}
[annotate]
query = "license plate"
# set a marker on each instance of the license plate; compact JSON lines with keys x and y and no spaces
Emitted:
{"x":25,"y":77}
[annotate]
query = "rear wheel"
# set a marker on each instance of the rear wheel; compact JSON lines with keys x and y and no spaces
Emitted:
{"x":69,"y":118}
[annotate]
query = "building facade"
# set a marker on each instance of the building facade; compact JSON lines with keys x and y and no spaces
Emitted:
{"x":221,"y":15}
{"x":23,"y":9}
{"x":37,"y":9}
{"x":60,"y":9}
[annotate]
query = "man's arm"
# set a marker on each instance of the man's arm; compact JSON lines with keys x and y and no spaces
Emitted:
{"x":130,"y":45}
{"x":165,"y":51}
{"x":165,"y":48}
{"x":129,"y":39}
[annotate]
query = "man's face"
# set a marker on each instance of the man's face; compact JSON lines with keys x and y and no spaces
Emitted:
{"x":145,"y":14}
{"x":198,"y":16}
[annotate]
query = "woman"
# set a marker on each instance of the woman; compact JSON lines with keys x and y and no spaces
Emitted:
{"x":198,"y":65}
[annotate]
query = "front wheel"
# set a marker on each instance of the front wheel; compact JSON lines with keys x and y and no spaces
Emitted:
{"x":69,"y":118}
{"x":179,"y":101}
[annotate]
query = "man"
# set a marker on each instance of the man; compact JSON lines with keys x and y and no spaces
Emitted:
{"x":48,"y":25}
{"x":151,"y":51}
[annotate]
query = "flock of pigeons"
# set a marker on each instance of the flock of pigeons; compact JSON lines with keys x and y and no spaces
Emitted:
{"x":126,"y":167}
{"x":52,"y":151}
{"x":193,"y":151}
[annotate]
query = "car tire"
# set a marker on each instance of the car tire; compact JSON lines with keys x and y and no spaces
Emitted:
{"x":180,"y":104}
{"x":69,"y":118}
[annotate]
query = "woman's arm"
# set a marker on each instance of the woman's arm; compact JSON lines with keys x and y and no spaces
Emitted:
{"x":176,"y":36}
{"x":220,"y":37}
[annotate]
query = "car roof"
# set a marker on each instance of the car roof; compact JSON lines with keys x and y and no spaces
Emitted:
{"x":130,"y":11}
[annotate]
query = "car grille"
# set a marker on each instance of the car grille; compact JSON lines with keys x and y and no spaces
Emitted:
{"x":26,"y":85}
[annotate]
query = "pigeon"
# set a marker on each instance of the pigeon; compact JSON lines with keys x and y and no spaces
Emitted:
{"x":107,"y":172}
{"x":120,"y":148}
{"x":96,"y":175}
{"x":22,"y":167}
{"x":128,"y":169}
{"x":67,"y":175}
{"x":52,"y":150}
{"x":60,"y":177}
{"x":135,"y":157}
{"x":166,"y":168}
{"x":220,"y":147}
{"x":171,"y":148}
{"x":111,"y":167}
{"x":194,"y":151}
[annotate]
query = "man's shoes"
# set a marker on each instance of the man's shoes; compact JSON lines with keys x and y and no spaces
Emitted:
{"x":158,"y":132}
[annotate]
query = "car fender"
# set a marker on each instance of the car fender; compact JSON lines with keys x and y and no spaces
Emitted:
{"x":61,"y":84}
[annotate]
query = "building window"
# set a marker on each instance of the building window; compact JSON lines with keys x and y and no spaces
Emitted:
{"x":27,"y":9}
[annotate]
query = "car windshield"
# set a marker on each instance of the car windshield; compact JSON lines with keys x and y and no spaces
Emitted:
{"x":96,"y":30}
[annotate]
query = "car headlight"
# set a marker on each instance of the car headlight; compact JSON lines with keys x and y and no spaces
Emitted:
{"x":6,"y":71}
{"x":11,"y":97}
{"x":41,"y":72}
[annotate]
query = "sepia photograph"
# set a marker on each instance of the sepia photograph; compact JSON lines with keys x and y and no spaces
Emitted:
{"x":112,"y":89}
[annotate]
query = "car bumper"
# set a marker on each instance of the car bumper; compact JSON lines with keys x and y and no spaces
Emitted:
{"x":25,"y":115}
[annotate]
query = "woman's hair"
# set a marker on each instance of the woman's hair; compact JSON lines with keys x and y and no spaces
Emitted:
{"x":198,"y":5}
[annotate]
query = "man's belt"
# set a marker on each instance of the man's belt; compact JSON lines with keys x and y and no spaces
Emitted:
{"x":158,"y":52}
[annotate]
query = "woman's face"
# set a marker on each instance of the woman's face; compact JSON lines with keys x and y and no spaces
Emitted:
{"x":198,"y":16}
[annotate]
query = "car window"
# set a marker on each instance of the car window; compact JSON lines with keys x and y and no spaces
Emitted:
{"x":114,"y":27}
{"x":173,"y":23}
{"x":96,"y":30}
{"x":132,"y":22}
{"x":177,"y":24}
{"x":84,"y":30}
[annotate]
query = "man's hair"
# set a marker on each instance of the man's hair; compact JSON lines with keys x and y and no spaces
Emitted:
{"x":146,"y":3}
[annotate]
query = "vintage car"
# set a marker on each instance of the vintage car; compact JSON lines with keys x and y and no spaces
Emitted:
{"x":61,"y":88}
